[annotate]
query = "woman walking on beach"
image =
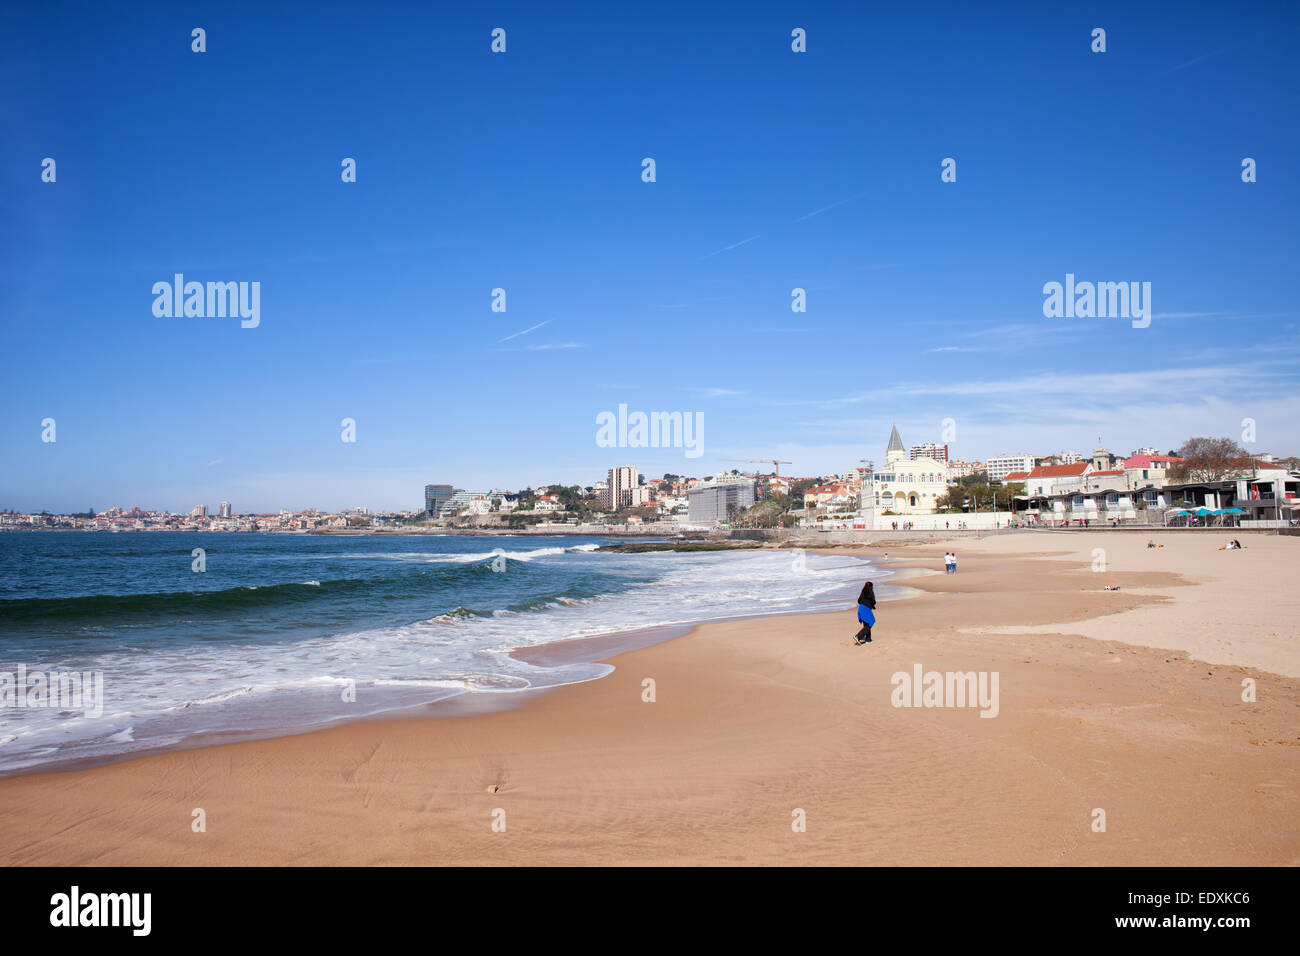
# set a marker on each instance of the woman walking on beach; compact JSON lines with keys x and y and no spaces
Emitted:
{"x":866,"y":615}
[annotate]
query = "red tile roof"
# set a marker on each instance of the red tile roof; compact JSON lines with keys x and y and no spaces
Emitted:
{"x":1143,"y":461}
{"x":1061,"y":471}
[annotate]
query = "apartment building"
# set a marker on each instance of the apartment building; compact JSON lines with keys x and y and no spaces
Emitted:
{"x":999,"y":466}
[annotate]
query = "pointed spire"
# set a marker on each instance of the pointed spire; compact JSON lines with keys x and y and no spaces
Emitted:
{"x":895,"y":442}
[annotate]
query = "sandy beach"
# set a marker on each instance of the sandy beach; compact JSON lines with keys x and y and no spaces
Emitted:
{"x":1127,"y":701}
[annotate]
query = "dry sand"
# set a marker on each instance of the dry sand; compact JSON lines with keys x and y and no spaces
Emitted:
{"x":1127,"y":701}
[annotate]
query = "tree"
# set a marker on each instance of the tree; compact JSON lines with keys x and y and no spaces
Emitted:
{"x":1206,"y":459}
{"x":797,"y":488}
{"x":1006,"y":493}
{"x":569,"y":496}
{"x":950,"y":501}
{"x":768,"y":513}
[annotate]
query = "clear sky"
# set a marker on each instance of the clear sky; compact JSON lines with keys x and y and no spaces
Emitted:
{"x":775,"y":170}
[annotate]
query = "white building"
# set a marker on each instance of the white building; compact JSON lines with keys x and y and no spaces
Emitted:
{"x":462,"y":501}
{"x":1043,"y":481}
{"x":999,"y":466}
{"x":905,"y":486}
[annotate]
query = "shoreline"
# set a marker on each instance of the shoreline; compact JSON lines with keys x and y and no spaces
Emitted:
{"x":755,"y":717}
{"x":590,"y":649}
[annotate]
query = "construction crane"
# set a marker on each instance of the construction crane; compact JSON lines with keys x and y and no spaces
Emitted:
{"x":776,"y":463}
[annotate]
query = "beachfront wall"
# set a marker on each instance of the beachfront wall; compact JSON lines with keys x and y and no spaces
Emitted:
{"x":874,"y":521}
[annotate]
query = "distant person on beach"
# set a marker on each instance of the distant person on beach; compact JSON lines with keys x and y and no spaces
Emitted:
{"x":866,"y":615}
{"x":947,"y":562}
{"x":953,"y":556}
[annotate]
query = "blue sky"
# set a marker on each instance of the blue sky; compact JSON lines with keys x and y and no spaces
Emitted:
{"x":522,"y":170}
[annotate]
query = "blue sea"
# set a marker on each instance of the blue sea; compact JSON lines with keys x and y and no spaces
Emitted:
{"x":283,"y":632}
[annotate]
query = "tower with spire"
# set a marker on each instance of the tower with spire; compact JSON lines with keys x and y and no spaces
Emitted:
{"x":895,"y":452}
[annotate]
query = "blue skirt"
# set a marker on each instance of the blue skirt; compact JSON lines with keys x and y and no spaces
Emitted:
{"x":866,"y":616}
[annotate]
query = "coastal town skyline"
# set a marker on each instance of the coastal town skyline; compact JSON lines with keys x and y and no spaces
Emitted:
{"x":995,"y":469}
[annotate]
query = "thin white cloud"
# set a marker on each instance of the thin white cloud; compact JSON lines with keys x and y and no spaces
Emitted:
{"x":734,"y":245}
{"x":524,"y":331}
{"x":1194,"y":61}
{"x":818,"y":212}
{"x":1084,"y":389}
{"x":553,"y":345}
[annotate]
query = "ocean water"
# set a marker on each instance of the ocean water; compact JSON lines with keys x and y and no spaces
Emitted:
{"x":296,"y":631}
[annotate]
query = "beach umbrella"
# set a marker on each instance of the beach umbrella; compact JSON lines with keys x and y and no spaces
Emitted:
{"x":1232,"y":511}
{"x":1176,"y":513}
{"x":1202,"y":512}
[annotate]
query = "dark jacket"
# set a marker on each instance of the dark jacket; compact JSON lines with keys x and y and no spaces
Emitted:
{"x":868,"y":596}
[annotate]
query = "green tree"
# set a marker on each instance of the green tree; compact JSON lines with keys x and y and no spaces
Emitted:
{"x":799,"y":488}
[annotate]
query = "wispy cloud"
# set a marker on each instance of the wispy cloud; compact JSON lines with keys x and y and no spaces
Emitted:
{"x":524,"y":331}
{"x":838,"y":202}
{"x":720,"y":392}
{"x":959,"y":348}
{"x":553,"y":345}
{"x":543,"y":347}
{"x":1194,"y":60}
{"x":734,"y":245}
